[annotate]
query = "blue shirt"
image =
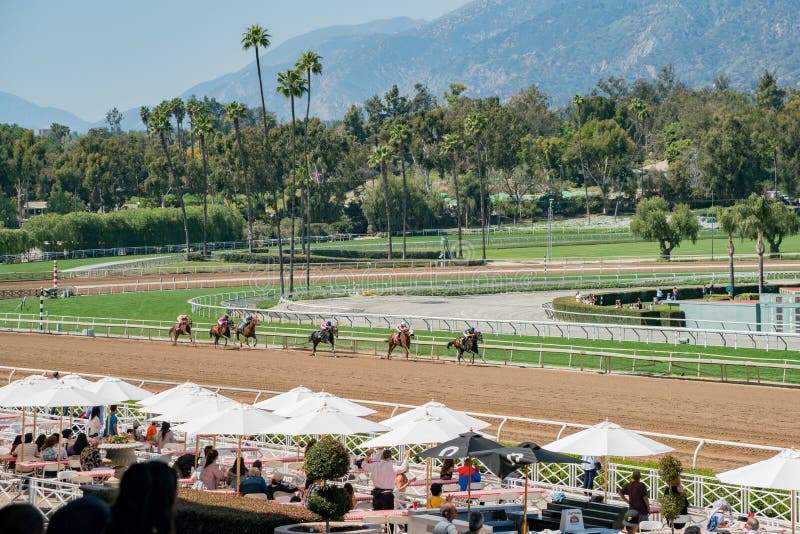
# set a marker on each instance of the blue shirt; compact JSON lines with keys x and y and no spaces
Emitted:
{"x":253,"y":485}
{"x":111,"y":424}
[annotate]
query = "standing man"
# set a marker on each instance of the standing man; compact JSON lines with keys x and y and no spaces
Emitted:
{"x":446,"y":526}
{"x":589,"y":465}
{"x":635,"y":495}
{"x":383,"y":472}
{"x":111,"y":422}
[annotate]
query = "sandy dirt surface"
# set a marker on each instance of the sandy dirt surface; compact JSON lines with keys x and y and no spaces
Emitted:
{"x":756,"y":414}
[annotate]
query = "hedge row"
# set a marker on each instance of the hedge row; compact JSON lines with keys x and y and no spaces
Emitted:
{"x":566,"y":309}
{"x":129,"y":228}
{"x":373,"y":254}
{"x":201,"y":512}
{"x":14,"y":241}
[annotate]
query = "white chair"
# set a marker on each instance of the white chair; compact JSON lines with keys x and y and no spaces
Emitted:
{"x":67,"y":476}
{"x":82,"y":480}
{"x":647,"y":526}
{"x":74,"y":462}
{"x":260,"y":496}
{"x":283,"y":496}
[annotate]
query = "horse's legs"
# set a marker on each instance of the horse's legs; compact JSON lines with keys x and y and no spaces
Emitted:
{"x":389,"y":354}
{"x":333,"y":348}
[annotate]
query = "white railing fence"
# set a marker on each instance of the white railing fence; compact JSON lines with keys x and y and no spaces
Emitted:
{"x":48,"y":495}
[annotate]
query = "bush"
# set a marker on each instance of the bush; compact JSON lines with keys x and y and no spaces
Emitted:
{"x":746,"y":296}
{"x":330,"y":502}
{"x":14,"y":241}
{"x":201,"y":512}
{"x":327,"y":459}
{"x":566,"y":309}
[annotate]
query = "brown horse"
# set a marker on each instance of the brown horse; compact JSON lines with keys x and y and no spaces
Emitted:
{"x":181,"y":329}
{"x":466,"y":344}
{"x":399,"y":339}
{"x":217,"y":331}
{"x":248,"y":331}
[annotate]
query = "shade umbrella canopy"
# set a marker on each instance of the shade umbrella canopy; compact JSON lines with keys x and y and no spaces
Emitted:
{"x":76,"y":380}
{"x":436,"y":409}
{"x":18,"y":392}
{"x":118,"y":390}
{"x":608,"y":439}
{"x":462,"y":446}
{"x":66,"y":395}
{"x":181,"y":400}
{"x":287,"y":400}
{"x":505,"y":460}
{"x":326,"y":420}
{"x":236,"y":420}
{"x":181,"y":389}
{"x":423,"y":430}
{"x":198,"y":407}
{"x":779,"y":472}
{"x":317,"y":400}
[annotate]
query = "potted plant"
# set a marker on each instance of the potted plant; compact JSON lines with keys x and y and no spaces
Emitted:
{"x":328,"y":460}
{"x":674,"y":499}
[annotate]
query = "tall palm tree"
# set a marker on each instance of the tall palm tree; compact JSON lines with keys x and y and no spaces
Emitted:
{"x":194,"y":108}
{"x":474,"y":125}
{"x":291,"y":85}
{"x":160,"y":124}
{"x":309,"y":63}
{"x":144,"y":115}
{"x":235,"y":113}
{"x":179,"y":112}
{"x":729,"y":222}
{"x":203,"y":127}
{"x":400,"y":136}
{"x":256,"y":37}
{"x":380,"y":157}
{"x":452,"y":146}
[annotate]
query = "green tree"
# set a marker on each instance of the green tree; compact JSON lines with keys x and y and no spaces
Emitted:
{"x":400,"y":137}
{"x":235,"y":113}
{"x":672,"y":502}
{"x":291,"y":85}
{"x":114,"y":119}
{"x":380,"y":157}
{"x":453,"y":146}
{"x":728,"y":160}
{"x":729,"y":222}
{"x":202,"y":128}
{"x":653,"y":223}
{"x":474,"y":126}
{"x":328,"y":460}
{"x":768,"y":95}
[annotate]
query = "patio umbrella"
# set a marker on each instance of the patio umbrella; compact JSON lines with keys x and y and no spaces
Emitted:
{"x":608,"y":439}
{"x":285,"y":400}
{"x":118,"y":391}
{"x":236,"y":420}
{"x":436,"y":409}
{"x":319,"y":399}
{"x":505,"y":460}
{"x":76,"y":380}
{"x":779,"y":472}
{"x":326,"y":420}
{"x":463,"y":446}
{"x":18,"y":392}
{"x":181,"y":400}
{"x":180,"y":389}
{"x":197,"y":407}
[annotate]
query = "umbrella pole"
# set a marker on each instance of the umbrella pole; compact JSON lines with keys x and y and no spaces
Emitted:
{"x":428,"y":469}
{"x":239,"y":464}
{"x":469,"y":484}
{"x":22,"y":455}
{"x":34,"y":423}
{"x":793,"y":510}
{"x":605,"y":481}
{"x":58,"y":453}
{"x":196,"y":449}
{"x":525,"y":505}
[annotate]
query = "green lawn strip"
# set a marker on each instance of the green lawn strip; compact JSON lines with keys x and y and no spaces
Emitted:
{"x":46,"y":267}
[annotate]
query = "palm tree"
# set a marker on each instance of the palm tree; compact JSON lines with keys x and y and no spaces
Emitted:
{"x":291,"y":85}
{"x":452,"y":146}
{"x":474,"y":125}
{"x":729,"y":221}
{"x":235,"y":112}
{"x":400,"y":136}
{"x":179,"y":112}
{"x":380,"y":157}
{"x":309,"y":63}
{"x":144,"y":115}
{"x":159,"y":123}
{"x":203,"y":126}
{"x":194,"y":108}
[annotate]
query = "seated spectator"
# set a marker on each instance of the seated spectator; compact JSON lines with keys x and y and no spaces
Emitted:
{"x":51,"y":451}
{"x":211,"y":475}
{"x":146,"y":500}
{"x":152,"y":433}
{"x":436,"y":499}
{"x":21,"y":519}
{"x":751,"y":526}
{"x":467,"y":474}
{"x":254,"y":483}
{"x":16,"y":443}
{"x":77,"y":447}
{"x":184,"y":465}
{"x":233,"y":474}
{"x":87,"y":515}
{"x":618,"y":303}
{"x":90,"y":456}
{"x":276,"y":484}
{"x":352,"y":493}
{"x":447,"y":470}
{"x":28,"y":450}
{"x":67,"y":437}
{"x":137,"y":432}
{"x":40,"y":442}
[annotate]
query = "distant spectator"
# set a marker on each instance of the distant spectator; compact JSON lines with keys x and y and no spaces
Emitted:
{"x":40,"y":441}
{"x":436,"y":499}
{"x":146,"y":500}
{"x":137,"y":432}
{"x":675,"y":293}
{"x":16,"y":443}
{"x":578,"y":297}
{"x":350,"y":491}
{"x":52,"y":452}
{"x":447,"y":469}
{"x":467,"y":475}
{"x":635,"y":495}
{"x":212,"y":475}
{"x":276,"y":484}
{"x":233,"y":473}
{"x":751,"y":526}
{"x":152,"y":433}
{"x":659,"y":294}
{"x":90,"y":456}
{"x":111,"y":422}
{"x":95,"y":424}
{"x":446,"y":526}
{"x":165,"y":436}
{"x":618,"y":303}
{"x":80,"y":443}
{"x":87,"y":515}
{"x":67,"y":437}
{"x":27,"y":451}
{"x":475,"y":522}
{"x":254,"y":483}
{"x":21,"y":519}
{"x":589,"y":465}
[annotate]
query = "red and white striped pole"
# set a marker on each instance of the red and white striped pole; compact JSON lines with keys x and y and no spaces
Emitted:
{"x":55,"y":274}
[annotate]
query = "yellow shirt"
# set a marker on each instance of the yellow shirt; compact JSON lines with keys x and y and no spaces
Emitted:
{"x":435,"y":502}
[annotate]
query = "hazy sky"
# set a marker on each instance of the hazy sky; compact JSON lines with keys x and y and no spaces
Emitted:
{"x":87,"y":56}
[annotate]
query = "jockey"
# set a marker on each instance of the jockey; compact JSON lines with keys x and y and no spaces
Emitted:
{"x":183,"y":319}
{"x":247,"y":320}
{"x":223,"y":320}
{"x":402,"y":326}
{"x":469,"y":332}
{"x":326,"y":325}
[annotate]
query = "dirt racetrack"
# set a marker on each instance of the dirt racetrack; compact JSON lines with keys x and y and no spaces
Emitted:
{"x":756,"y":414}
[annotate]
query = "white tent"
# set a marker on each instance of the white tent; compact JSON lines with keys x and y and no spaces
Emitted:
{"x":439,"y":410}
{"x":287,"y":400}
{"x":317,"y":400}
{"x":421,"y":431}
{"x":326,"y":420}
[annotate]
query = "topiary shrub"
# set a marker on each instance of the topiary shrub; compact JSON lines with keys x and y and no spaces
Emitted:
{"x":330,"y":502}
{"x":326,"y":460}
{"x":669,"y":470}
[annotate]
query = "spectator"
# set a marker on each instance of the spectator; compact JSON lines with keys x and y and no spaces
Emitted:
{"x":165,"y":436}
{"x":52,"y":451}
{"x":312,"y":486}
{"x":383,"y":473}
{"x":95,"y":425}
{"x":87,"y":515}
{"x":184,"y":465}
{"x":751,"y":526}
{"x":350,"y":491}
{"x":233,"y":473}
{"x":27,"y":451}
{"x":211,"y":475}
{"x":635,"y":496}
{"x":137,"y":432}
{"x":692,"y":529}
{"x":447,"y":470}
{"x":659,"y":294}
{"x":21,"y":519}
{"x":16,"y":443}
{"x":578,"y":296}
{"x":67,"y":437}
{"x":467,"y":475}
{"x":630,"y":522}
{"x":254,"y":483}
{"x":146,"y":500}
{"x":675,"y":293}
{"x":152,"y":433}
{"x":276,"y":484}
{"x":111,"y":422}
{"x":200,"y":461}
{"x":401,"y":482}
{"x":80,"y":443}
{"x":618,"y":303}
{"x":40,"y":442}
{"x":675,"y":488}
{"x":90,"y":456}
{"x":446,"y":526}
{"x":475,"y":522}
{"x":589,"y":465}
{"x":436,"y":500}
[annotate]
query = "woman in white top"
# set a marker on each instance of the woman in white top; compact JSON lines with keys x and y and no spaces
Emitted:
{"x":95,"y":425}
{"x":165,"y":436}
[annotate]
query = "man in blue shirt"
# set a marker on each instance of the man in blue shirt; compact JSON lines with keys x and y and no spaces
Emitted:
{"x":111,"y":422}
{"x":254,"y":483}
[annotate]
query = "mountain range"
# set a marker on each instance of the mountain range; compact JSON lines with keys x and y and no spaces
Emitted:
{"x":497,"y":47}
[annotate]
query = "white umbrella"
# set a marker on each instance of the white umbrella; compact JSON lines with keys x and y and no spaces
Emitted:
{"x":317,"y":400}
{"x":608,"y":439}
{"x":19,"y":391}
{"x":779,"y":472}
{"x":76,"y":380}
{"x":436,"y":409}
{"x":424,"y":430}
{"x":181,"y":389}
{"x":285,"y":400}
{"x":181,"y":400}
{"x":198,"y":407}
{"x":326,"y":420}
{"x":118,"y":390}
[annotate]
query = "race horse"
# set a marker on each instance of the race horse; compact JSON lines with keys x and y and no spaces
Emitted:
{"x":219,"y":330}
{"x":466,"y":344}
{"x":181,"y":329}
{"x":324,"y":336}
{"x":399,"y":339}
{"x":247,"y":331}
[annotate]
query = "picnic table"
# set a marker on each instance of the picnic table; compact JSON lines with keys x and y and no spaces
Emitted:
{"x":8,"y":458}
{"x":96,"y":473}
{"x":477,"y":494}
{"x":359,"y":515}
{"x":283,"y":459}
{"x":442,"y":481}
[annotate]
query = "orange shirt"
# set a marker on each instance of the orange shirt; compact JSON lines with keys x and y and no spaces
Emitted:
{"x":151,"y":432}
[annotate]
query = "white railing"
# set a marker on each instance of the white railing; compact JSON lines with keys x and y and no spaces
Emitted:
{"x":46,"y":494}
